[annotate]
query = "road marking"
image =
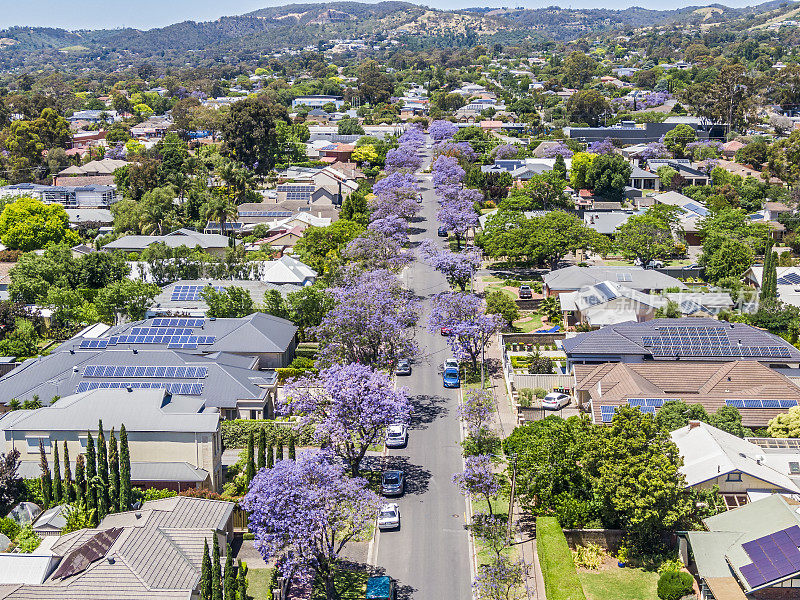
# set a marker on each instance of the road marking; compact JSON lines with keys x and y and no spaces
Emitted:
{"x":473,"y":555}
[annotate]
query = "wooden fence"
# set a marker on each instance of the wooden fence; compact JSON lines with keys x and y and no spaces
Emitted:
{"x":547,"y":382}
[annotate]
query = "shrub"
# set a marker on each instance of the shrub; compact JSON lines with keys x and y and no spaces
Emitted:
{"x":154,"y":494}
{"x":9,"y":528}
{"x":540,"y":392}
{"x":570,"y":511}
{"x":671,"y":564}
{"x":558,"y":570}
{"x":27,"y":540}
{"x":588,"y":557}
{"x":674,"y":585}
{"x":235,"y":432}
{"x":526,"y":396}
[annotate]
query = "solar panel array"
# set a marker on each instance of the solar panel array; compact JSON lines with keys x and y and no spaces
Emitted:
{"x":190,"y":292}
{"x":760,"y":403}
{"x":789,"y":279}
{"x":607,"y":413}
{"x":184,"y":389}
{"x":160,"y":331}
{"x":696,"y":208}
{"x":265,"y":213}
{"x":172,"y":341}
{"x":93,"y":344}
{"x":705,"y":341}
{"x":774,"y":557}
{"x":138,"y":372}
{"x":92,"y":550}
{"x":297,"y":192}
{"x":178,"y":322}
{"x":655,"y":402}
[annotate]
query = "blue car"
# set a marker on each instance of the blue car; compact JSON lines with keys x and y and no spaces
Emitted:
{"x":450,"y":378}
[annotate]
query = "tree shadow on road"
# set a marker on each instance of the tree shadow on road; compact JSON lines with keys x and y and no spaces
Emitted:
{"x":417,"y":476}
{"x":426,"y":409}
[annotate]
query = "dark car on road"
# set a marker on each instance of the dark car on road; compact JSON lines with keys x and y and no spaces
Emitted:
{"x":442,"y":232}
{"x":403,"y":367}
{"x":393,"y":483}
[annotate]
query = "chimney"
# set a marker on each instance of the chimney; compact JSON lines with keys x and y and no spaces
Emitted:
{"x":694,"y":423}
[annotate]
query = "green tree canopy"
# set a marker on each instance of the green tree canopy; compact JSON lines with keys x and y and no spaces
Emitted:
{"x":29,"y":224}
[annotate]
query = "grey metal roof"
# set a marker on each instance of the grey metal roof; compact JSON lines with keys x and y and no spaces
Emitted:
{"x":60,"y":373}
{"x":637,"y":278}
{"x":140,"y":471}
{"x":179,"y":512}
{"x":181,"y":237}
{"x":626,"y":339}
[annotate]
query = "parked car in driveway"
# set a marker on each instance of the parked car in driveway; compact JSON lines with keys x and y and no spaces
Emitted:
{"x":555,"y":401}
{"x":396,"y":436}
{"x":389,"y":516}
{"x":381,"y":588}
{"x":403,"y":367}
{"x":450,"y":377}
{"x":393,"y":483}
{"x":525,"y":292}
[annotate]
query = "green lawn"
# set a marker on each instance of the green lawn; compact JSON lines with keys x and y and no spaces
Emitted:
{"x":351,"y":585}
{"x":619,"y":584}
{"x":561,"y":581}
{"x":529,"y":322}
{"x":258,"y":583}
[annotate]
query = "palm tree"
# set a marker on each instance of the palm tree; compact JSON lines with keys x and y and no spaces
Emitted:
{"x":220,"y":210}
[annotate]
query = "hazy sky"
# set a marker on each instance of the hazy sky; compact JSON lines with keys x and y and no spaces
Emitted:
{"x":145,"y":14}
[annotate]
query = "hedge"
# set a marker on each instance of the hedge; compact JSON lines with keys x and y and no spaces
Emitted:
{"x":236,"y":432}
{"x":555,"y":559}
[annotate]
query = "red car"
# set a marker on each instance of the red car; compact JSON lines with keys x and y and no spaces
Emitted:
{"x":446,"y":331}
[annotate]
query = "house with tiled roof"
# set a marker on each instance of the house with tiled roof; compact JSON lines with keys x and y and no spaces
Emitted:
{"x":575,"y":278}
{"x":758,"y":392}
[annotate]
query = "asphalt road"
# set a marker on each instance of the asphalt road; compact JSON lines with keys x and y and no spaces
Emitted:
{"x":429,"y":554}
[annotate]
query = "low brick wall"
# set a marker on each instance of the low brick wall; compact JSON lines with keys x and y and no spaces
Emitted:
{"x":609,"y":539}
{"x":528,"y":304}
{"x":533,"y":338}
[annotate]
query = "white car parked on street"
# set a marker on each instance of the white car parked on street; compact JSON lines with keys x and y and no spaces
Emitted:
{"x":389,"y":516}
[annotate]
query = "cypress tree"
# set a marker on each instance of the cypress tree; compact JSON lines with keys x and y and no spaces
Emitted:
{"x":91,"y":473}
{"x":57,"y":489}
{"x":47,"y":482}
{"x":102,"y":471}
{"x":279,"y":452}
{"x":262,"y":449}
{"x":124,"y":470}
{"x":292,"y":451}
{"x":774,"y":277}
{"x":242,"y":581}
{"x":270,"y":456}
{"x":216,"y":571}
{"x":113,"y":473}
{"x":80,"y":479}
{"x":205,"y":572}
{"x":69,"y":491}
{"x":250,"y":466}
{"x":230,"y":576}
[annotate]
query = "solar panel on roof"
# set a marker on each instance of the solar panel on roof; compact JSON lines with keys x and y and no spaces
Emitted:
{"x":92,"y":550}
{"x":93,"y":344}
{"x":789,"y":279}
{"x":775,"y":556}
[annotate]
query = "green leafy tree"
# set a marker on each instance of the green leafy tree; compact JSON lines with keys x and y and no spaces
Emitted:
{"x":374,"y":85}
{"x":69,"y":490}
{"x":650,"y":235}
{"x":262,"y":449}
{"x":586,"y":106}
{"x":230,"y":576}
{"x":578,"y":69}
{"x":205,"y":573}
{"x":58,"y":490}
{"x":91,"y":473}
{"x":292,"y":451}
{"x":732,"y":259}
{"x":608,"y":175}
{"x":250,"y":461}
{"x":635,"y":470}
{"x":25,"y":149}
{"x":113,"y":472}
{"x":80,"y":479}
{"x":251,"y":132}
{"x":320,"y":247}
{"x":270,"y":456}
{"x":498,"y":302}
{"x":46,"y":478}
{"x":102,"y":467}
{"x":27,"y":224}
{"x":216,"y":571}
{"x":231,"y":302}
{"x":308,"y":306}
{"x":581,"y":161}
{"x":350,"y":126}
{"x":157,"y":211}
{"x":125,"y":298}
{"x":241,"y":581}
{"x":676,"y":139}
{"x":220,"y":210}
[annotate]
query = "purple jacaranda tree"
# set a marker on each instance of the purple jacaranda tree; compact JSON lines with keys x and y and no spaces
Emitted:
{"x":404,"y":157}
{"x":117,"y":152}
{"x":369,"y":323}
{"x":654,"y":150}
{"x":470,"y":327}
{"x":395,"y":195}
{"x":506,"y":151}
{"x":372,"y":250}
{"x":462,"y":151}
{"x":603,"y":146}
{"x":348,"y":407}
{"x":458,"y":267}
{"x":303,"y":513}
{"x":477,"y":411}
{"x":446,"y":171}
{"x":559,"y":149}
{"x":501,"y":579}
{"x":442,"y":130}
{"x":457,"y":212}
{"x":478,"y":478}
{"x":413,"y":136}
{"x":392,"y":226}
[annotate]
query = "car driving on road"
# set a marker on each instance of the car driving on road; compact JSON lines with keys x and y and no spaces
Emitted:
{"x":393,"y":483}
{"x":389,"y":516}
{"x":450,"y":377}
{"x":555,"y":401}
{"x":403,"y":367}
{"x":396,"y":436}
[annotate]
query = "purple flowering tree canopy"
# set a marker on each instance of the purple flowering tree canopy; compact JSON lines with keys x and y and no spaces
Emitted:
{"x":470,"y":327}
{"x":372,"y":250}
{"x":458,"y":267}
{"x":478,"y":478}
{"x":501,"y":579}
{"x":457,"y":211}
{"x":404,"y":157}
{"x":442,"y":130}
{"x":462,"y":151}
{"x":392,"y":226}
{"x":395,"y":195}
{"x":348,"y":406}
{"x":654,"y":150}
{"x":601,"y":147}
{"x":506,"y":151}
{"x":117,"y":152}
{"x":558,"y":150}
{"x":446,"y":171}
{"x":369,"y":323}
{"x":477,"y":411}
{"x":303,"y":512}
{"x":413,"y":136}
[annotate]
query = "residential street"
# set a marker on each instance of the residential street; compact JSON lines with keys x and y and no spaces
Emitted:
{"x":429,"y":555}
